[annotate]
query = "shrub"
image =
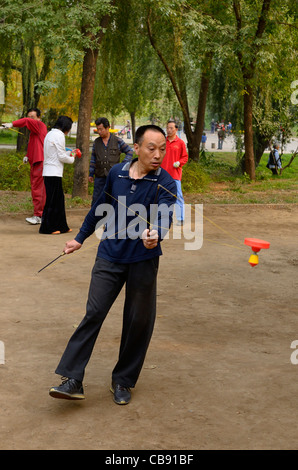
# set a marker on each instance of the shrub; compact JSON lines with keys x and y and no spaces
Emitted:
{"x":14,"y":174}
{"x":194,"y":179}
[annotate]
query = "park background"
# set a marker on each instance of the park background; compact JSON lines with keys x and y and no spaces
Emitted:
{"x":218,"y":374}
{"x":149,"y":61}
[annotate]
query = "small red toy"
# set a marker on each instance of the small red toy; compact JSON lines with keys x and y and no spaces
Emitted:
{"x":256,"y":246}
{"x":76,"y":153}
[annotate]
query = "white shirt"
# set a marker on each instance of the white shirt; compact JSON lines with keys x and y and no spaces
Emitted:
{"x":55,"y":154}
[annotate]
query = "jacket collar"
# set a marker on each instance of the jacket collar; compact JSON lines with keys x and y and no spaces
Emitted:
{"x":124,"y":172}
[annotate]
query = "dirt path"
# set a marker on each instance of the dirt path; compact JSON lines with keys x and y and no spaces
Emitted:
{"x":218,"y":373}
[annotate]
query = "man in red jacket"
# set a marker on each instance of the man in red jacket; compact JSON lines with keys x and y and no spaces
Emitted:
{"x":176,"y":156}
{"x":38,"y":131}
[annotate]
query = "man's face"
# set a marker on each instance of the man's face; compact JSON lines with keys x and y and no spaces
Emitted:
{"x":171,"y":129}
{"x":152,"y":150}
{"x":103,"y":132}
{"x":32,"y":115}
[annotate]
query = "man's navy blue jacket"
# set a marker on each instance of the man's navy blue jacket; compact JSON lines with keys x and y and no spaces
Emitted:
{"x":124,"y":210}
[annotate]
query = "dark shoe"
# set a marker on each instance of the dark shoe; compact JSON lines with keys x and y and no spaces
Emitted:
{"x":70,"y":389}
{"x":122,"y":395}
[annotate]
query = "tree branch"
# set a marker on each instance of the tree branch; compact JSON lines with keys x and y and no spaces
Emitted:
{"x":165,"y":64}
{"x":263,"y":18}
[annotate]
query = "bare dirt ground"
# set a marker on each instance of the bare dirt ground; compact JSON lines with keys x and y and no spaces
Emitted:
{"x":218,"y":373}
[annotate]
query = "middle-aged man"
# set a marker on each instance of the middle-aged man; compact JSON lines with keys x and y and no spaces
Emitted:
{"x":123,"y":257}
{"x":106,"y":152}
{"x":38,"y":131}
{"x":176,"y":157}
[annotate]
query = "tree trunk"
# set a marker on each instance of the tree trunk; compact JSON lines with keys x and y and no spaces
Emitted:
{"x":248,"y":133}
{"x":30,"y":93}
{"x":194,"y":138}
{"x":80,"y":182}
{"x":27,"y":71}
{"x":81,"y":169}
{"x":248,"y":72}
{"x":193,"y":148}
{"x":260,"y":145}
{"x":133,"y":125}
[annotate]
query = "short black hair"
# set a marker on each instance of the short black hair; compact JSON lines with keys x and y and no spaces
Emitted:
{"x":139,"y":136}
{"x":38,"y":113}
{"x":63,"y":123}
{"x":102,"y":120}
{"x":172,"y":120}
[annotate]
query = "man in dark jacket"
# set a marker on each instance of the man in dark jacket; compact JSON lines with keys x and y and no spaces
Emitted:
{"x":221,"y":134}
{"x":106,"y":152}
{"x":274,"y":160}
{"x":128,"y":254}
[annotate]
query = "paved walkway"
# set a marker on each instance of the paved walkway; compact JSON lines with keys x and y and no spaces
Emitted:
{"x":211,"y":144}
{"x":228,"y":144}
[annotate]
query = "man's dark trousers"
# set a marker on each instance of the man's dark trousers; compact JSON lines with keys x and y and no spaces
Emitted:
{"x":138,"y":319}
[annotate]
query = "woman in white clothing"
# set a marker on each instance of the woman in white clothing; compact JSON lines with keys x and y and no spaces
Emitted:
{"x":54,"y":218}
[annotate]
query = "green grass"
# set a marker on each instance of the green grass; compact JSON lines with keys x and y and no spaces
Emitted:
{"x":8,"y":137}
{"x":227,"y":187}
{"x":212,"y":181}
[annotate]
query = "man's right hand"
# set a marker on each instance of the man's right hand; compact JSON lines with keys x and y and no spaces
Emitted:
{"x":71,"y":246}
{"x":91,"y":179}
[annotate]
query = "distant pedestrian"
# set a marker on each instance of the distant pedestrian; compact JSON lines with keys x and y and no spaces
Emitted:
{"x":274,"y":160}
{"x":204,"y":140}
{"x":221,"y":136}
{"x":38,"y":131}
{"x":180,"y":128}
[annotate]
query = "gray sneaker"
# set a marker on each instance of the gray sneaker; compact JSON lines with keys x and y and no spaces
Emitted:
{"x":70,"y":389}
{"x":34,"y":220}
{"x":122,"y":395}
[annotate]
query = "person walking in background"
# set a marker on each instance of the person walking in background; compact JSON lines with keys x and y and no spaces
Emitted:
{"x":176,"y":157}
{"x":106,"y":152}
{"x":221,"y":136}
{"x":180,"y":128}
{"x":54,"y":218}
{"x":203,"y":141}
{"x":38,"y":131}
{"x":128,"y":132}
{"x":274,"y":160}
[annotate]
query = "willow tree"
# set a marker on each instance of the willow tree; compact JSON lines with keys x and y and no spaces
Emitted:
{"x":84,"y":23}
{"x":25,"y":32}
{"x":68,"y":31}
{"x":251,"y":21}
{"x":186,"y":36}
{"x":265,"y":37}
{"x":129,"y":77}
